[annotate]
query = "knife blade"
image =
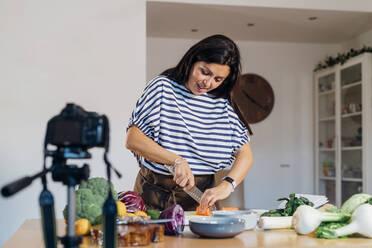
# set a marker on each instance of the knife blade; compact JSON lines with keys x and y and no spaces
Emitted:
{"x":194,"y":192}
{"x":146,"y":221}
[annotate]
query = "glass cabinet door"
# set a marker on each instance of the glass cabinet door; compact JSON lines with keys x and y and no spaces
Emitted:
{"x":343,"y":129}
{"x":327,"y":136}
{"x":351,"y":131}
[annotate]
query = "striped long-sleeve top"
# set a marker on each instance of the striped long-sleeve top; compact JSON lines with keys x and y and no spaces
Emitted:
{"x":202,"y":129}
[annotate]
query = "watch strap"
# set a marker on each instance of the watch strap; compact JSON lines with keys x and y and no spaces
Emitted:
{"x":230,"y":180}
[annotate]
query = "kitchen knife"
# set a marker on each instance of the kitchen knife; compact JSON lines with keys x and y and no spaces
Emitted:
{"x":194,"y":192}
{"x":146,"y":221}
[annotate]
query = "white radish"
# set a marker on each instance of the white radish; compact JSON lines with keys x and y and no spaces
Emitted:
{"x":306,"y":219}
{"x":361,"y":222}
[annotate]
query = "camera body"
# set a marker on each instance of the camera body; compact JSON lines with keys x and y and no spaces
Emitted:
{"x":76,"y":128}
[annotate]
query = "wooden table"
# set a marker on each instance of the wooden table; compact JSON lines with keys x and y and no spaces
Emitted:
{"x":29,"y":235}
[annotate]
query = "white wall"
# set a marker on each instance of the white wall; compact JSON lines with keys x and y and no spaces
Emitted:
{"x":364,"y":39}
{"x":89,"y":52}
{"x":286,"y":136}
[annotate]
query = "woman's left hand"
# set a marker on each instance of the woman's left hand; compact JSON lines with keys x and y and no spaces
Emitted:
{"x":210,"y":196}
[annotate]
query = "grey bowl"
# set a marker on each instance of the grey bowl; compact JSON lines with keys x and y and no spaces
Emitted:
{"x":217,"y":227}
{"x":249,"y":217}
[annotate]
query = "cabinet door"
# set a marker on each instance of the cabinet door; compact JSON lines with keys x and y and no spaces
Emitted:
{"x":351,"y":131}
{"x":327,"y":136}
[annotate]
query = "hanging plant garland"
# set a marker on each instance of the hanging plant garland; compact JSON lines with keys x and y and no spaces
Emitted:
{"x":341,"y":58}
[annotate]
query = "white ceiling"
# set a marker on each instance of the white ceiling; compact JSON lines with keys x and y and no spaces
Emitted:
{"x":175,"y":20}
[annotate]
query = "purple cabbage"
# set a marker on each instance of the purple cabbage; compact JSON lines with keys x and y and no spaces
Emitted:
{"x":176,"y":226}
{"x":132,"y":201}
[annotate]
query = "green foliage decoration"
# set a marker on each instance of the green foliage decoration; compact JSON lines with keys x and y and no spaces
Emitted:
{"x":341,"y":58}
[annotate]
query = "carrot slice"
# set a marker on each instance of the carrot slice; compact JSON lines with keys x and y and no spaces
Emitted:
{"x":229,"y":208}
{"x":205,"y":212}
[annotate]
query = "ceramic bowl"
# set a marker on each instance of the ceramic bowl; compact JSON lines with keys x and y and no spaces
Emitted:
{"x":217,"y":227}
{"x":248,"y":216}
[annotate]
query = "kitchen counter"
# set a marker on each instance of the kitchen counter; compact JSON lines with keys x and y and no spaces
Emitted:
{"x":29,"y":235}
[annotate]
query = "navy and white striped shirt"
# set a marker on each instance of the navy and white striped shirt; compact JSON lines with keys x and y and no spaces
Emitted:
{"x":202,"y":129}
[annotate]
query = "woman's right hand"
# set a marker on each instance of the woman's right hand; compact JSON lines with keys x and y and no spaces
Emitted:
{"x":183,"y":175}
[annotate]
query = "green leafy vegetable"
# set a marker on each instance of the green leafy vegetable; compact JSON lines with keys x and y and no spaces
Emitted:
{"x":292,"y":204}
{"x":153,"y":213}
{"x":274,"y":213}
{"x":355,"y":201}
{"x":325,"y":230}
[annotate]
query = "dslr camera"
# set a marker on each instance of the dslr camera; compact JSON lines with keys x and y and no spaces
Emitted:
{"x":75,"y":129}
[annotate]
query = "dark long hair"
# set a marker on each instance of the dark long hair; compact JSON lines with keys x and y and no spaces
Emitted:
{"x":217,"y":49}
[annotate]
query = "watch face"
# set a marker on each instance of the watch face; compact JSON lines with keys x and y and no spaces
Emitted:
{"x":253,"y":96}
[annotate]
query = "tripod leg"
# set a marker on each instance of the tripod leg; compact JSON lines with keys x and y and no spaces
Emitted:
{"x":109,"y":222}
{"x":71,"y":240}
{"x":48,"y":219}
{"x":71,"y":211}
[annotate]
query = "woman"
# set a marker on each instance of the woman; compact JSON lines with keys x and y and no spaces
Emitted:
{"x":183,"y":119}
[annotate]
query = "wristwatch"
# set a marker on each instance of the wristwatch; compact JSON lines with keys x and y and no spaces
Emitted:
{"x":230,"y":180}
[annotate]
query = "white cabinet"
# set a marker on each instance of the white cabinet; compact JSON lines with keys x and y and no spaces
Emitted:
{"x":343,"y":129}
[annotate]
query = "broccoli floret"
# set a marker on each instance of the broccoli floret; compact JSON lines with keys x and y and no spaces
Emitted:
{"x":90,"y":197}
{"x":83,"y":198}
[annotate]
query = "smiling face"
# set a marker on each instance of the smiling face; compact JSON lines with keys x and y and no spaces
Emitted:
{"x":205,"y":77}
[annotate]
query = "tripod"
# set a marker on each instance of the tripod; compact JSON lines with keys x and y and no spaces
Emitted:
{"x":72,"y":132}
{"x":69,"y":175}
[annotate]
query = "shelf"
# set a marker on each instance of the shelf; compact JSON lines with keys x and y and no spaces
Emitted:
{"x":326,"y":92}
{"x":327,"y":178}
{"x":331,"y":118}
{"x":326,"y":149}
{"x":351,"y":114}
{"x":351,"y":148}
{"x":351,"y":85}
{"x":343,"y":129}
{"x":344,"y":179}
{"x":351,"y":179}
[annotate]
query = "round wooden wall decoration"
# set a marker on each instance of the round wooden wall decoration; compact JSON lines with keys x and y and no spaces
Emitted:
{"x":253,"y":97}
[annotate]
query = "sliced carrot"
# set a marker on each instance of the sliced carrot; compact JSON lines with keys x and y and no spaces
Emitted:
{"x":205,"y":212}
{"x":229,"y":208}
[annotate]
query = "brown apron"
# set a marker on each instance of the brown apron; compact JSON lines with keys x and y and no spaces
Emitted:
{"x":159,"y":191}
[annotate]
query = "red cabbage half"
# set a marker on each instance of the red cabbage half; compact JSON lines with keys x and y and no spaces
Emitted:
{"x":132,"y":201}
{"x":176,"y":226}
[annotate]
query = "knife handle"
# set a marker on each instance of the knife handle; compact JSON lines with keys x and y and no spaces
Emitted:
{"x":194,"y":192}
{"x":169,"y":168}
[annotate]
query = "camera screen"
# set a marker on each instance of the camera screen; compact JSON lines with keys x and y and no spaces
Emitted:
{"x":67,"y":132}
